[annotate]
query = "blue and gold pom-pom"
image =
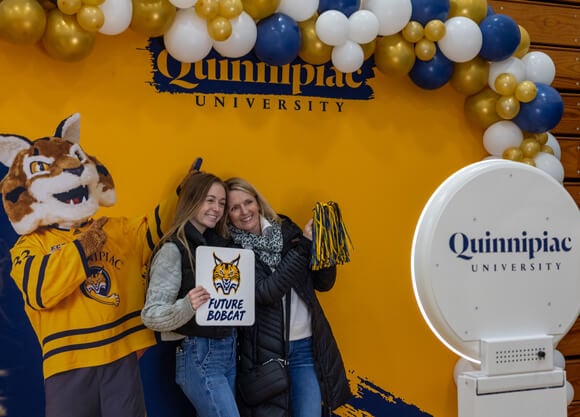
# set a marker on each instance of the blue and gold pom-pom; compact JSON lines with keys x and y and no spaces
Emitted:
{"x":330,"y":239}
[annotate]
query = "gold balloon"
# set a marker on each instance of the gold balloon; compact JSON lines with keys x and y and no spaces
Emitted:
{"x":91,"y":18}
{"x":259,"y":9}
{"x":93,"y":2}
{"x":435,"y":30}
{"x":529,"y":161}
{"x":425,"y":49}
{"x":313,"y":50}
{"x":505,"y":84}
{"x":526,"y":91}
{"x":22,"y":21}
{"x":470,"y":77}
{"x":530,"y":147}
{"x":413,"y":31}
{"x":152,"y":18}
{"x":69,"y":6}
{"x":480,"y":108}
{"x":230,"y":8}
{"x":219,"y":28}
{"x":524,"y":45}
{"x":369,"y":49}
{"x":65,"y":39}
{"x":394,"y":55}
{"x":207,"y":9}
{"x":542,"y":138}
{"x":476,"y":10}
{"x":547,"y":149}
{"x":513,"y":154}
{"x":507,"y":107}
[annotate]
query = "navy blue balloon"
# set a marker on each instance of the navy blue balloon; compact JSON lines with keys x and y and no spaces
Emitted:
{"x":543,"y":113}
{"x":432,"y":74}
{"x":490,"y":10}
{"x":427,"y":10}
{"x":278,"y":40}
{"x":347,"y":7}
{"x":501,"y":37}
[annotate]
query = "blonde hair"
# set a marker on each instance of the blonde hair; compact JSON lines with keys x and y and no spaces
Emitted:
{"x":240,"y":184}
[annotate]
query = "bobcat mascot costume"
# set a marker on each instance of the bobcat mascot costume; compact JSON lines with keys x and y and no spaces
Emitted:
{"x":82,"y":279}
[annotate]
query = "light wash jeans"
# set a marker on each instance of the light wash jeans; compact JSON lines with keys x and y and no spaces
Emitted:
{"x":206,"y":372}
{"x":305,"y":398}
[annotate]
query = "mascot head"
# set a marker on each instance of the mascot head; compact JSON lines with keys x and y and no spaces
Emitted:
{"x":51,"y":180}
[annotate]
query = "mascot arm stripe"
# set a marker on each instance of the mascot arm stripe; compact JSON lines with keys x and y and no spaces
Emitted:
{"x":84,"y":259}
{"x":26,"y":279}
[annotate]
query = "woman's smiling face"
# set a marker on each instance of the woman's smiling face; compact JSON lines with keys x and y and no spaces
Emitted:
{"x":244,"y":211}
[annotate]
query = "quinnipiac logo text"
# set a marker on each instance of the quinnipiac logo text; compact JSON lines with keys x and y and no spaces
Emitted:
{"x":248,"y":76}
{"x":466,"y":247}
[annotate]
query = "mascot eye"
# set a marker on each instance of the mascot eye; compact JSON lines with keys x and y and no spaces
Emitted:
{"x":37,"y":167}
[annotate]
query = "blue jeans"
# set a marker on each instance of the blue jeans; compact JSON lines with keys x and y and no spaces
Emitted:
{"x":206,"y":372}
{"x":305,"y":398}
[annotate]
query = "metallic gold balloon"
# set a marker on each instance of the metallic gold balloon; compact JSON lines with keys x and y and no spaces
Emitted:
{"x":413,"y":31}
{"x":425,"y":49}
{"x":507,"y":107}
{"x":547,"y":149}
{"x":476,"y":10}
{"x":369,"y":49}
{"x":230,"y":8}
{"x":480,"y":108}
{"x":312,"y":49}
{"x":435,"y":30}
{"x":91,"y":18}
{"x":259,"y":9}
{"x":524,"y":45}
{"x":526,"y":91}
{"x":394,"y":55}
{"x":65,"y":39}
{"x":22,"y":21}
{"x":93,"y":2}
{"x":470,"y":77}
{"x":69,"y":6}
{"x":219,"y":28}
{"x":152,"y":18}
{"x":530,"y":147}
{"x":542,"y":138}
{"x":513,"y":154}
{"x":207,"y":9}
{"x":529,"y":161}
{"x":505,"y":84}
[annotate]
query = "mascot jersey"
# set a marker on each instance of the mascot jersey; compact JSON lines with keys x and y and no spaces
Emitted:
{"x":82,"y":281}
{"x":85,"y":311}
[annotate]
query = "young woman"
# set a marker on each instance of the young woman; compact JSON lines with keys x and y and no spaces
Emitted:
{"x":290,"y":324}
{"x":206,"y":356}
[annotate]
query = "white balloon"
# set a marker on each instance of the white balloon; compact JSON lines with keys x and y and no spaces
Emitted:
{"x":555,"y":145}
{"x":550,"y":165}
{"x":500,"y":136}
{"x":559,"y":359}
{"x":363,"y":26}
{"x":539,"y":67}
{"x":332,"y":27}
{"x":183,"y":4}
{"x":463,"y":365}
{"x":393,"y":15}
{"x":569,"y":393}
{"x":242,"y":39}
{"x":347,"y":57}
{"x":118,"y":15}
{"x":299,"y":10}
{"x":187,"y":39}
{"x":511,"y":65}
{"x":462,"y":40}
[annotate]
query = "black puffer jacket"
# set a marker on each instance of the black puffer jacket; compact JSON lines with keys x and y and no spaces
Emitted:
{"x":265,"y":339}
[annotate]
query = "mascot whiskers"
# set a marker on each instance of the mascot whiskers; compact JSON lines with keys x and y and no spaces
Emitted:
{"x":82,"y":279}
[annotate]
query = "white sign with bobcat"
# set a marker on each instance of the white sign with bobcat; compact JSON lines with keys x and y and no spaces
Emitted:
{"x":228,"y":275}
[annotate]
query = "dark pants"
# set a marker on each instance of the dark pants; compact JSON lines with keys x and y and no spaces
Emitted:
{"x":109,"y":390}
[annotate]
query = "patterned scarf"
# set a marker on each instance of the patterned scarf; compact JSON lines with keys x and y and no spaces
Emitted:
{"x":267,"y":246}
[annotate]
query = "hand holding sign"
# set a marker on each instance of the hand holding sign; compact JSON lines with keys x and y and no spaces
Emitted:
{"x":198,"y":296}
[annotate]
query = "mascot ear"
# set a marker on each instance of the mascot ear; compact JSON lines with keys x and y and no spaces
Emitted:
{"x":70,"y":128}
{"x":10,"y":146}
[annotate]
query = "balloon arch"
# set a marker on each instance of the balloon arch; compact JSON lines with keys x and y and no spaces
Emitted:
{"x":482,"y":54}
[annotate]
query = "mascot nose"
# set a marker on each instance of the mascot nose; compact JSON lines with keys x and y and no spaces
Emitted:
{"x":75,"y":171}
